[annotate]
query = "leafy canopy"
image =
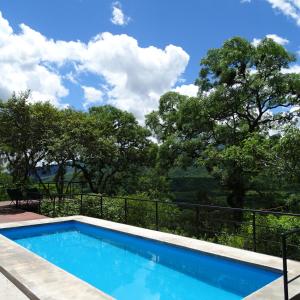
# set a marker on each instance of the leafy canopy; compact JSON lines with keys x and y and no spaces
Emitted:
{"x":244,"y":92}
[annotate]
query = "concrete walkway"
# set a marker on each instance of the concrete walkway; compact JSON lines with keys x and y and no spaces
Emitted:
{"x":8,"y":291}
{"x":9,"y":213}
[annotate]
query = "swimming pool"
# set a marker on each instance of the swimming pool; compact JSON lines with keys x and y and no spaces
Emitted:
{"x":131,"y":267}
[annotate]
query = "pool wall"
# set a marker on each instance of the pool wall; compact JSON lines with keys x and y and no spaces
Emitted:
{"x":39,"y":279}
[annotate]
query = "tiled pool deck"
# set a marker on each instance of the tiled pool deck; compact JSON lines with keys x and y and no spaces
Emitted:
{"x":9,"y":213}
{"x":39,"y":279}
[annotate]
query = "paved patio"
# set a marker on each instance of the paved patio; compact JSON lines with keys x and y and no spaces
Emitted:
{"x":9,"y":213}
{"x":8,"y":291}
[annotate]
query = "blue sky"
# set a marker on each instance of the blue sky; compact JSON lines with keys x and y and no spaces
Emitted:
{"x":56,"y":55}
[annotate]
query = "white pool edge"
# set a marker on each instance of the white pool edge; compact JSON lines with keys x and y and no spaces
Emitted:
{"x":40,"y":279}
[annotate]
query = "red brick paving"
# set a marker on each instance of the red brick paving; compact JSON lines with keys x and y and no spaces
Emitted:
{"x":8,"y":213}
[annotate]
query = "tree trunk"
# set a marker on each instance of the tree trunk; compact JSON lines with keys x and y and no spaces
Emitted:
{"x":236,"y":200}
{"x":42,"y":183}
{"x":87,"y":177}
{"x":59,"y":179}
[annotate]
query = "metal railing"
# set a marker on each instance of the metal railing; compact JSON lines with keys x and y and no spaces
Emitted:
{"x":286,"y":281}
{"x":197,"y":220}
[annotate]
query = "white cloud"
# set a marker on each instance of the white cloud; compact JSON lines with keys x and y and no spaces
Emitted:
{"x":276,"y":38}
{"x":293,"y":69}
{"x":91,"y":95}
{"x":290,"y":8}
{"x":295,"y":108}
{"x":25,"y":62}
{"x":256,"y":41}
{"x":132,"y":77}
{"x":137,"y":76}
{"x":190,"y":90}
{"x":245,"y":1}
{"x":118,"y":17}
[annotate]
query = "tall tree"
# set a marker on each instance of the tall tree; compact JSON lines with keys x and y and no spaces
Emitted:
{"x":244,"y":92}
{"x":63,"y":148}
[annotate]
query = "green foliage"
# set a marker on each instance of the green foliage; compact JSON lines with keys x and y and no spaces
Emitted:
{"x":242,"y":93}
{"x":268,"y":232}
{"x":105,"y":146}
{"x":5,"y":180}
{"x":111,"y":145}
{"x":25,"y":131}
{"x":288,"y":155}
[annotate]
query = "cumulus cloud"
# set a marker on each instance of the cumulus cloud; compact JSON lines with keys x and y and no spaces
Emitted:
{"x":293,"y":69}
{"x":133,"y":77}
{"x":91,"y":95}
{"x":276,"y":38}
{"x":23,"y":66}
{"x":118,"y":17}
{"x":137,"y":76}
{"x":190,"y":90}
{"x":290,"y":8}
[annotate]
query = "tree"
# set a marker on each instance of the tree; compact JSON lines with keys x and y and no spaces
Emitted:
{"x":26,"y":130}
{"x":105,"y":145}
{"x":110,"y":144}
{"x":288,"y":156}
{"x":63,"y":148}
{"x":243,"y":94}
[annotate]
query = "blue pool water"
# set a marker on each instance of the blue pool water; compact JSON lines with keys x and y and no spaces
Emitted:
{"x":132,"y":268}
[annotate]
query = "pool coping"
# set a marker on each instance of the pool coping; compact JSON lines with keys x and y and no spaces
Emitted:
{"x":39,"y":279}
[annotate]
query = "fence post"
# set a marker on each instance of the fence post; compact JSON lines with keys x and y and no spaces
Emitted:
{"x":197,"y":219}
{"x":39,"y":206}
{"x":53,"y":214}
{"x":284,"y":264}
{"x":81,"y":203}
{"x":254,"y":230}
{"x":101,"y":206}
{"x":125,"y":209}
{"x":156,"y":215}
